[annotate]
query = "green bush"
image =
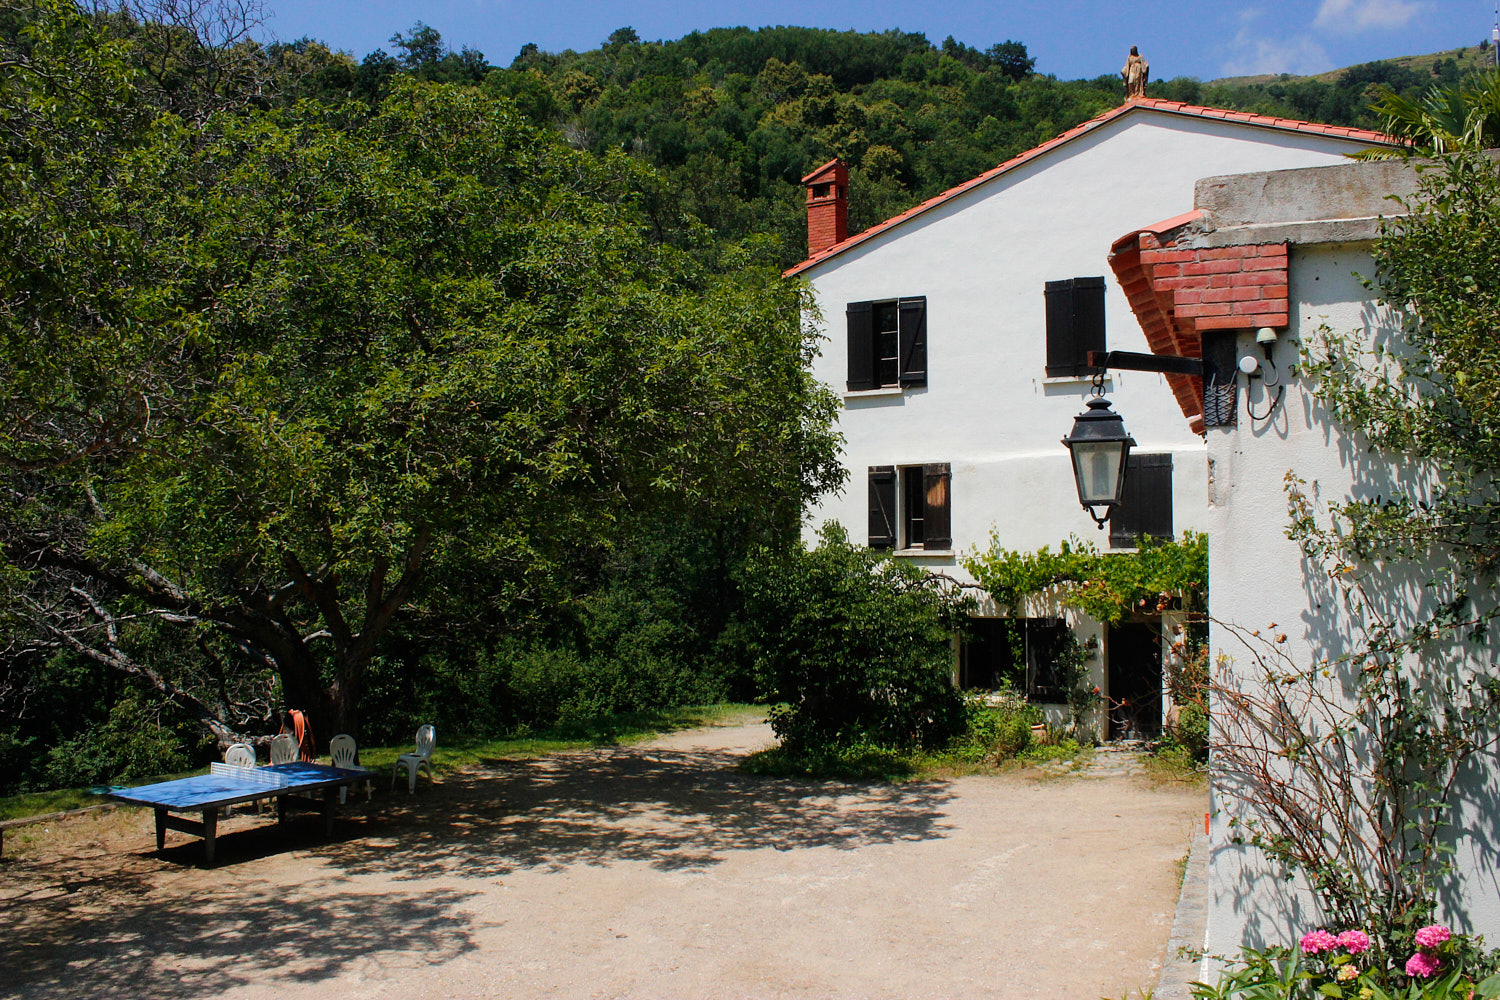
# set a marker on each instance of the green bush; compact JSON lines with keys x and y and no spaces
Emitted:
{"x":134,"y":743}
{"x":997,"y":729}
{"x":524,"y":685}
{"x":1189,"y":732}
{"x":856,"y":647}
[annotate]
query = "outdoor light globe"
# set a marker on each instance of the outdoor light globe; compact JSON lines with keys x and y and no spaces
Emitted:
{"x":1100,"y":448}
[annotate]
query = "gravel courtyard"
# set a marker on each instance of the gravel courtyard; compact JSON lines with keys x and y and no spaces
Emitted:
{"x":653,"y":871}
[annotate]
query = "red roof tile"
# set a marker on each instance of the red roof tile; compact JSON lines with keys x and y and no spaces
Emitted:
{"x":1148,"y":103}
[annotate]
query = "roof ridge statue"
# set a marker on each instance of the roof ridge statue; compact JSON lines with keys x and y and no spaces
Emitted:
{"x":1135,"y":74}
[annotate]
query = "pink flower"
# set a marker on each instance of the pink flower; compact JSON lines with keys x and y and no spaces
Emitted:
{"x":1354,"y":942}
{"x":1315,"y":942}
{"x":1421,"y":965}
{"x":1432,"y":936}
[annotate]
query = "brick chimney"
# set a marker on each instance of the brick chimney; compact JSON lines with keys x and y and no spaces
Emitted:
{"x":827,"y":206}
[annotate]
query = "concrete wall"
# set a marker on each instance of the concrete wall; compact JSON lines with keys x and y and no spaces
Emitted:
{"x":1259,"y":580}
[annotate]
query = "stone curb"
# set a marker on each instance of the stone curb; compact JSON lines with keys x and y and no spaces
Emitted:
{"x":1189,"y":928}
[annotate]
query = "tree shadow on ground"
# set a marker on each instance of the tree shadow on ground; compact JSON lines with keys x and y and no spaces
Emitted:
{"x":148,"y":924}
{"x":672,"y":809}
{"x":116,"y":925}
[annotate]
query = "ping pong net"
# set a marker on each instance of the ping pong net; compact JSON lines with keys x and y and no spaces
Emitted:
{"x":250,"y":775}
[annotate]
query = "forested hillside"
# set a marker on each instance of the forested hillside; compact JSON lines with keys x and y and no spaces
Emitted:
{"x":733,"y":117}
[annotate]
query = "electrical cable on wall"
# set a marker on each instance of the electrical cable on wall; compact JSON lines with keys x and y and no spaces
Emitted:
{"x":1268,"y":373}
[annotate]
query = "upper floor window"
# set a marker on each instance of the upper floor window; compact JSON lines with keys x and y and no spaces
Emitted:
{"x":1075,"y":325}
{"x":887,"y":343}
{"x":909,"y":507}
{"x":1146,"y":507}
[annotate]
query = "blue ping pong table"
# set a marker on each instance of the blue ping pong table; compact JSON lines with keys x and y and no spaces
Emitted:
{"x":291,"y":785}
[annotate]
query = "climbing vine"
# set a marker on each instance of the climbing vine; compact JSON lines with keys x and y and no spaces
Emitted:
{"x":1108,"y":586}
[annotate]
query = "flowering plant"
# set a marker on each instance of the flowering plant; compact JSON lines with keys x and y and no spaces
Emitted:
{"x":1350,"y":966}
{"x":1433,"y":948}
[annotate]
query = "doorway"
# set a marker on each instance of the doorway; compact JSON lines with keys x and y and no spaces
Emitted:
{"x":1134,"y":680}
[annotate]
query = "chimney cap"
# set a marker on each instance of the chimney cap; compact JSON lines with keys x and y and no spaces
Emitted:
{"x":834,"y":170}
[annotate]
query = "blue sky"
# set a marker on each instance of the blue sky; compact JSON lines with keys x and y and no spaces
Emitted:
{"x":1070,"y":38}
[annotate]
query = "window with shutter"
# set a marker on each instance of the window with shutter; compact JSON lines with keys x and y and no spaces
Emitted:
{"x":909,"y":507}
{"x":1075,"y":324}
{"x":887,"y":343}
{"x":1146,"y":507}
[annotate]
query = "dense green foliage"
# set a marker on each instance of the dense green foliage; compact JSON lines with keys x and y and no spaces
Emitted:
{"x":1446,"y":119}
{"x":856,"y":647}
{"x":275,"y":382}
{"x":994,"y":730}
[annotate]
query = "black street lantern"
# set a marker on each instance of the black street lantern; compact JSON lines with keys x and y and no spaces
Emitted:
{"x":1100,"y":449}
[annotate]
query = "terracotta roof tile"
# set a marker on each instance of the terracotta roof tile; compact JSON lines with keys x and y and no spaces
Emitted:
{"x":1148,"y":103}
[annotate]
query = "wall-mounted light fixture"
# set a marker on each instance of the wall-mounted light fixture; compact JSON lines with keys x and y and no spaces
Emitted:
{"x":1100,"y":448}
{"x":1252,"y":368}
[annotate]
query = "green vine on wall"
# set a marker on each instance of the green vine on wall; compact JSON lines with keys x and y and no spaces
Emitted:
{"x":1108,"y":586}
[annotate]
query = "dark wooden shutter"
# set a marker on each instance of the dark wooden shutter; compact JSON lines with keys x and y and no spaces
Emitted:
{"x":861,"y":346}
{"x":937,"y":520}
{"x":1060,"y":354}
{"x":1088,"y":321}
{"x":882,"y":506}
{"x":1075,"y":324}
{"x":1146,"y":508}
{"x":913,"y":326}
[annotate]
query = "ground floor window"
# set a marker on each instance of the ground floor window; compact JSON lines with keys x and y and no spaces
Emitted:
{"x":1020,"y":652}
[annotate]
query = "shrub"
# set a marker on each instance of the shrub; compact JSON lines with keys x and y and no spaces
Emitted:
{"x":996,"y":729}
{"x":134,"y":743}
{"x":856,"y":647}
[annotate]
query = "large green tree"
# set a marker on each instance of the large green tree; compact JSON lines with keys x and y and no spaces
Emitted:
{"x":265,"y":375}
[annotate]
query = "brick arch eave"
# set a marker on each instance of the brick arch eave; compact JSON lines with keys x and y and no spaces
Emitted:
{"x":1176,"y":292}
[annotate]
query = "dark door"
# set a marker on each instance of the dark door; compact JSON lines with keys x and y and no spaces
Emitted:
{"x":1134,"y":680}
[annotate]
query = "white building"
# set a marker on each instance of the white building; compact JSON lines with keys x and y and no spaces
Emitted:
{"x":957,"y":335}
{"x":1269,"y":599}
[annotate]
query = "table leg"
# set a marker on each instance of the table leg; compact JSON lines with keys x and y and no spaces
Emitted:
{"x":281,"y":808}
{"x":161,"y":829}
{"x":210,"y":831}
{"x":330,"y":795}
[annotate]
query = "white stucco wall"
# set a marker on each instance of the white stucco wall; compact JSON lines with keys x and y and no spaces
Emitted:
{"x":981,"y":260}
{"x":1258,"y":577}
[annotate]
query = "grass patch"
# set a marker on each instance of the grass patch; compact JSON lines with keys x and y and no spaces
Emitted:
{"x":1174,"y":765}
{"x":41,"y":803}
{"x":613,"y":730}
{"x":1067,"y":749}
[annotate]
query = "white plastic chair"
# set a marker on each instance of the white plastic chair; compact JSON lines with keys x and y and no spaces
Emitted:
{"x":284,"y":749}
{"x":414,"y":762}
{"x":345,"y":753}
{"x":240,"y":755}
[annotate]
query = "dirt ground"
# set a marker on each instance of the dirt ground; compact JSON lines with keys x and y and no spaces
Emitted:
{"x":654,"y":871}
